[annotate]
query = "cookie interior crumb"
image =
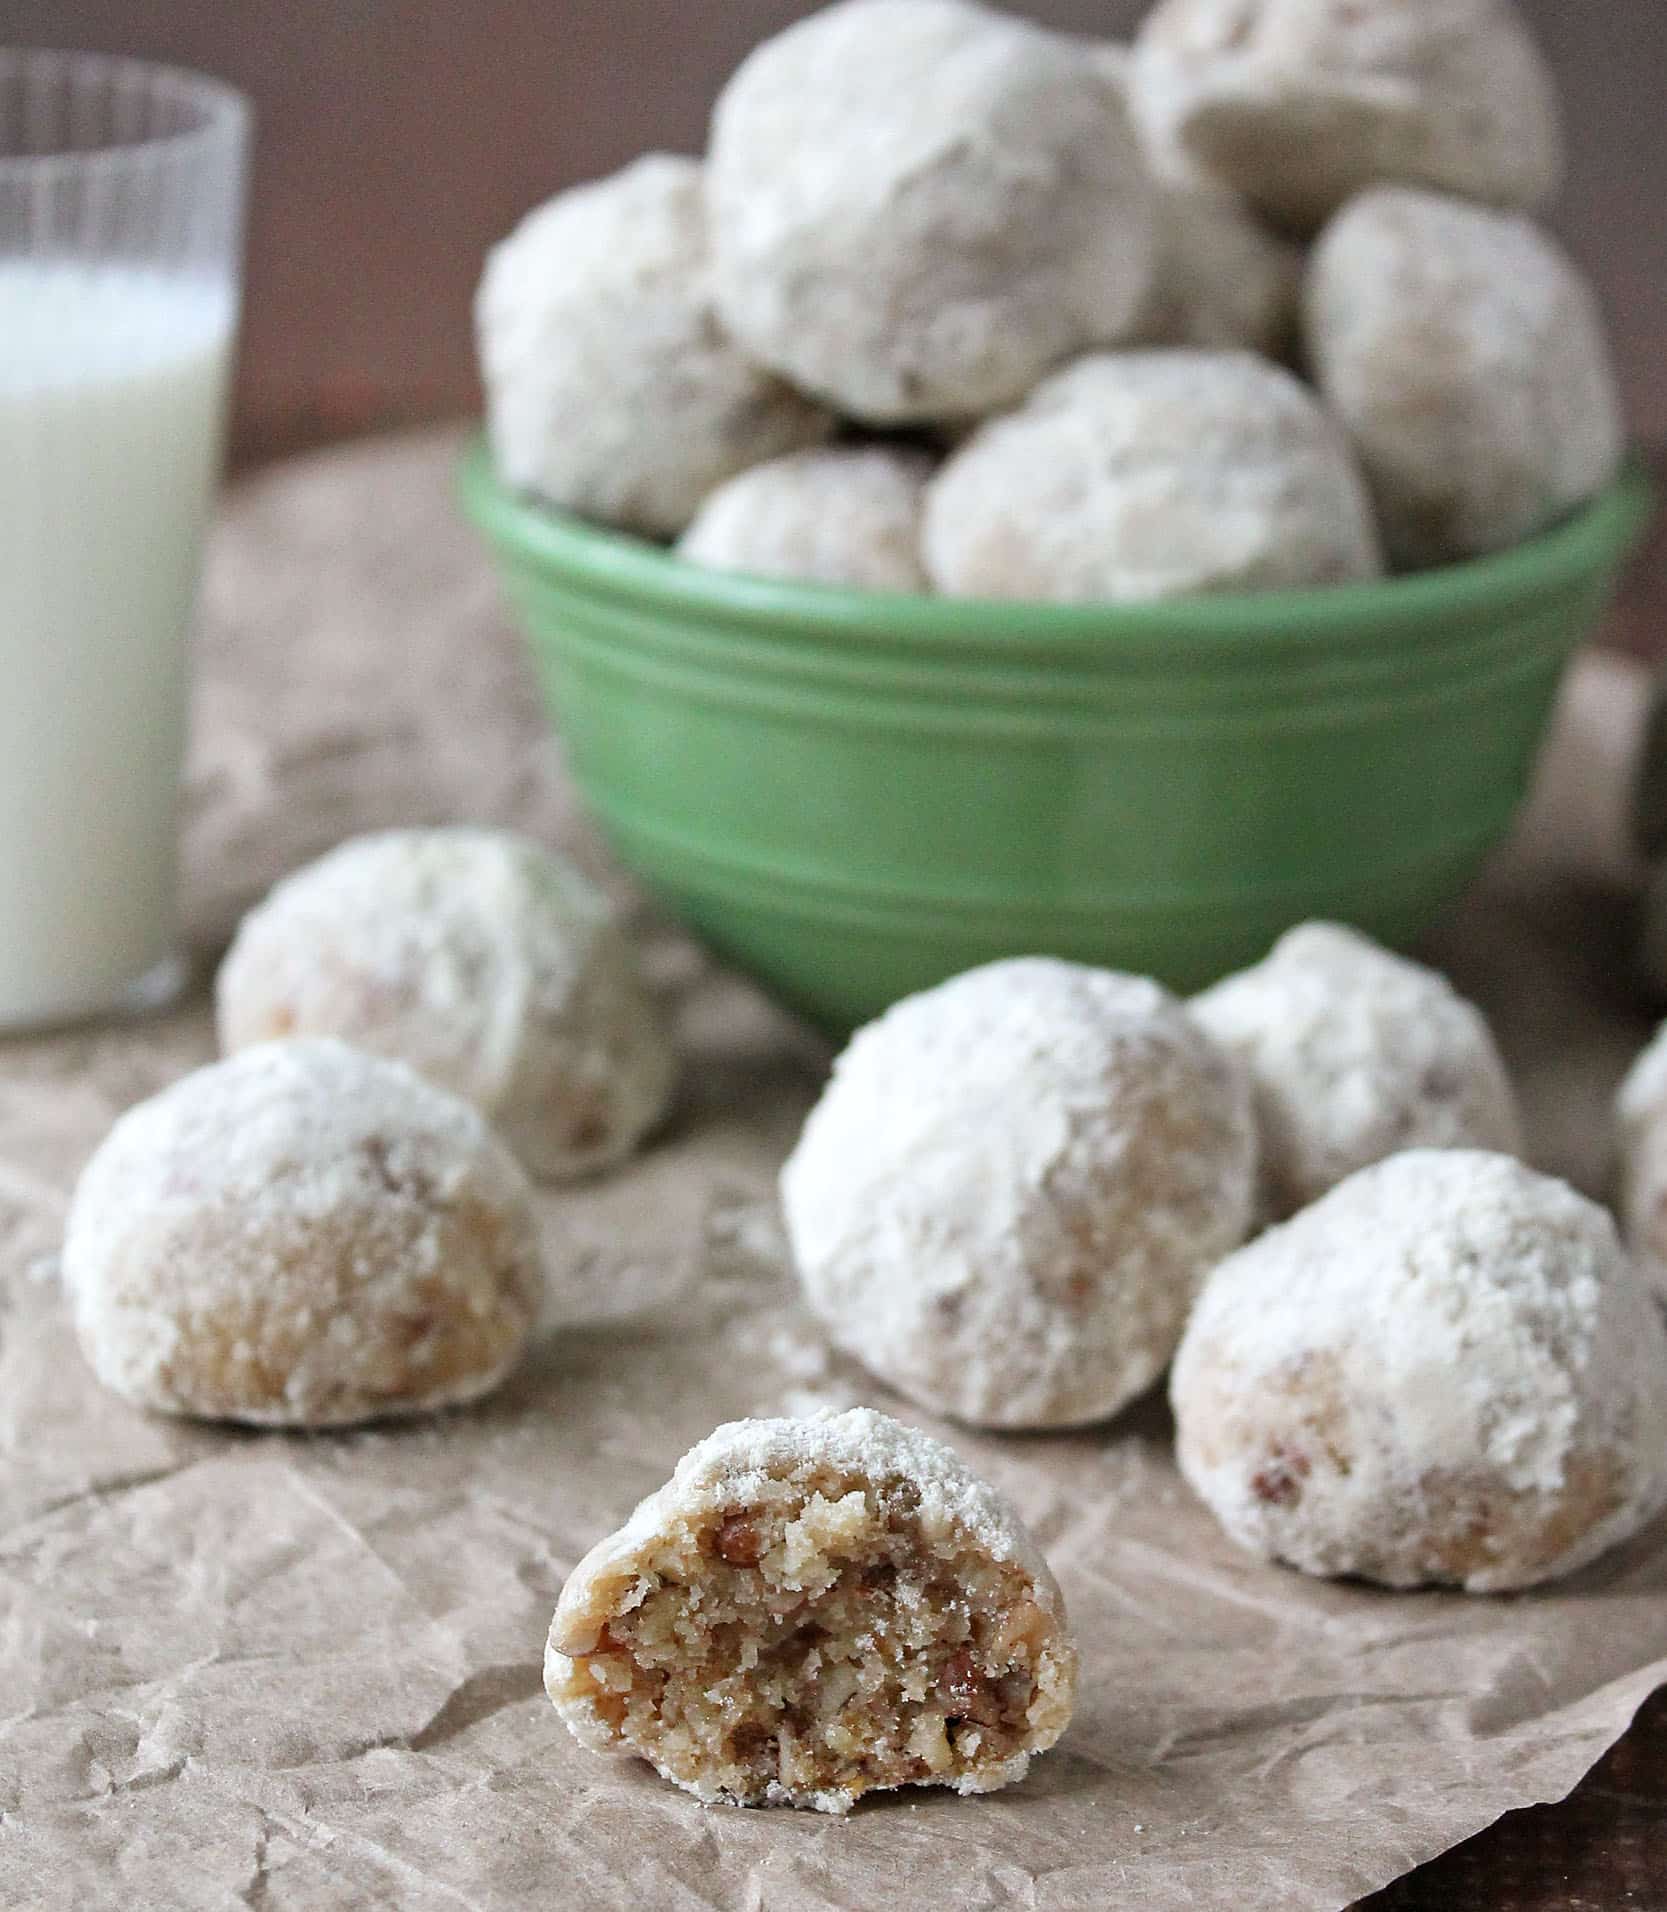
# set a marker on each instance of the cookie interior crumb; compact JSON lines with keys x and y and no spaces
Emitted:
{"x":811,"y":1643}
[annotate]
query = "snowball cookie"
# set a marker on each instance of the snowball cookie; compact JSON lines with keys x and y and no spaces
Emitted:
{"x":302,"y":1236}
{"x":1298,"y":104}
{"x":612,"y":388}
{"x":1223,"y":280}
{"x":1010,"y":1190}
{"x":1641,"y":1131}
{"x":1465,"y":355}
{"x":1446,"y":1371}
{"x":812,"y":1610}
{"x":1354,"y":1054}
{"x":480,"y":959}
{"x":847,"y":515}
{"x":1110,"y":58}
{"x":918,"y":206}
{"x":1155,"y":474}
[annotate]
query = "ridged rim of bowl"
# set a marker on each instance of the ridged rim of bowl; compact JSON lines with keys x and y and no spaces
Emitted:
{"x":1344,"y":617}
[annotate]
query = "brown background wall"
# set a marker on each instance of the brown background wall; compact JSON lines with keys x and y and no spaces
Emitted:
{"x":398,"y":137}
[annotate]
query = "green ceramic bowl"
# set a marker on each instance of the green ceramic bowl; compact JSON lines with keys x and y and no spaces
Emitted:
{"x":855,"y":795}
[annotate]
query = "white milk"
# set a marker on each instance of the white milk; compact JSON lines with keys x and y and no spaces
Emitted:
{"x":112,"y":389}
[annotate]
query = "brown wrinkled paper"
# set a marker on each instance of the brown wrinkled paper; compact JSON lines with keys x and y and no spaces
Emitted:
{"x":254,"y":1670}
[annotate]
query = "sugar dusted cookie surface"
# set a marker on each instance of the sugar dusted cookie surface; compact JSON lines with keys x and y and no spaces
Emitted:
{"x":481,"y":959}
{"x":811,"y":1610}
{"x":847,"y":515}
{"x":1012,"y":1186}
{"x":1298,"y":104}
{"x":1224,"y":280}
{"x":612,"y":386}
{"x":1641,"y":1134}
{"x":1465,"y":355}
{"x":1445,"y":1372}
{"x":1354,"y":1054}
{"x":918,"y":206}
{"x":303,"y":1236}
{"x":1133,"y":476}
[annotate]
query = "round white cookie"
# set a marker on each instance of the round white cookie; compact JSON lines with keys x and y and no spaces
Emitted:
{"x":1299,"y":104}
{"x":612,"y":387}
{"x":1012,"y":1186}
{"x":847,"y":515}
{"x":1446,"y":1372}
{"x":1355,"y":1054}
{"x":918,"y":206}
{"x":482,"y":960}
{"x":811,"y":1610}
{"x":1224,"y":280}
{"x":1465,"y":355}
{"x":304,"y":1236}
{"x":1111,"y":59}
{"x":1641,"y":1135}
{"x":1154,"y":474}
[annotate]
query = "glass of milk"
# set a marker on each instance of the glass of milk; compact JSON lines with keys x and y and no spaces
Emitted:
{"x":121,"y":217}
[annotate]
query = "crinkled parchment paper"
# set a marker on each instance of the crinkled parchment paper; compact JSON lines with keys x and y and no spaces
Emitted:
{"x":284,"y":1672}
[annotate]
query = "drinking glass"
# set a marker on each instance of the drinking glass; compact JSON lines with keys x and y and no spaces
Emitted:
{"x":121,"y":220}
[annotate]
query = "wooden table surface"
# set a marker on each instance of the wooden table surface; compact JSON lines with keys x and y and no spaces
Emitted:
{"x":1602,"y":1849}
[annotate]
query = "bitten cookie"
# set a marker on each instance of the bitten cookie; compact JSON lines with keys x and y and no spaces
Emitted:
{"x":812,"y":1610}
{"x":1299,"y":104}
{"x":1355,"y":1054}
{"x":918,"y":206}
{"x":1006,"y":1198}
{"x":612,"y":386}
{"x":483,"y":961}
{"x":1156,"y":474}
{"x":1465,"y":355}
{"x":1445,"y":1372}
{"x":303,"y":1236}
{"x":846,"y":515}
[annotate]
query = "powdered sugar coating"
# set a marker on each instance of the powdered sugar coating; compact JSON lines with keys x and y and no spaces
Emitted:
{"x":302,"y":1236}
{"x":1446,"y":1371}
{"x":612,"y":386}
{"x":746,"y":1466}
{"x":1299,"y":104}
{"x":1132,"y":476}
{"x":481,"y":959}
{"x":846,"y":515}
{"x":918,"y":206}
{"x":737,"y":1461}
{"x":1010,"y":1189}
{"x":1224,"y":280}
{"x":1465,"y":354}
{"x":1641,"y":1135}
{"x":1355,"y":1054}
{"x":1111,"y":59}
